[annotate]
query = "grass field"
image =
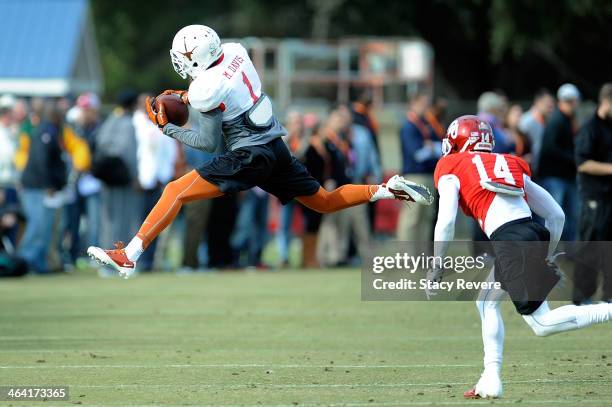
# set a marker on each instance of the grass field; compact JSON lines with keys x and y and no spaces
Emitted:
{"x":276,"y":338}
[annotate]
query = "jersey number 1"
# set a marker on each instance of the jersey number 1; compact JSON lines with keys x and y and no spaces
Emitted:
{"x":247,"y":82}
{"x":500,"y":169}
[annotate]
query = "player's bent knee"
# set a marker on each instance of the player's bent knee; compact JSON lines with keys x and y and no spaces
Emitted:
{"x":538,"y":328}
{"x":172,"y":189}
{"x":542,"y":331}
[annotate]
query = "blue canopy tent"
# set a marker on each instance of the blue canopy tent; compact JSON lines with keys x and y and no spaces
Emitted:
{"x":48,"y":48}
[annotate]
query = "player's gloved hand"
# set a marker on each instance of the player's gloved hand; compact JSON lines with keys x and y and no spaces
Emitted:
{"x":157,"y":117}
{"x":181,"y":93}
{"x":433,"y":276}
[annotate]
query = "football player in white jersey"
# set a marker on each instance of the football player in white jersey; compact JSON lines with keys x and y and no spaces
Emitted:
{"x":236,"y":117}
{"x":497,"y":191}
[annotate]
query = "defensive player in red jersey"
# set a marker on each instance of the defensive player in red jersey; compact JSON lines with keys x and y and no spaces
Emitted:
{"x":497,"y":191}
{"x":236,"y":118}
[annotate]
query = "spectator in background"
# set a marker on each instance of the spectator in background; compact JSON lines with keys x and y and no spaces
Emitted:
{"x":557,"y":168}
{"x":78,"y":162}
{"x":363,"y":115}
{"x":318,"y":161}
{"x":332,"y":237}
{"x":326,"y":160}
{"x":521,"y":141}
{"x":10,"y":264}
{"x":492,"y":108}
{"x":361,"y":112}
{"x":116,"y":165}
{"x":297,"y":141}
{"x":297,"y":137}
{"x":421,"y":149}
{"x":156,"y":155}
{"x":361,"y":165}
{"x":26,"y":129}
{"x":44,"y":176}
{"x":88,"y":120}
{"x":365,"y":163}
{"x":251,"y":230}
{"x":365,"y":169}
{"x":594,"y":161}
{"x":89,"y":187}
{"x":8,"y":172}
{"x":435,"y":116}
{"x":532,"y":124}
{"x":20,"y":114}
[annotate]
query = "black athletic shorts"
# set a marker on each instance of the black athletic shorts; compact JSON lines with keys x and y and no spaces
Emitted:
{"x":520,"y":265}
{"x":269,"y":166}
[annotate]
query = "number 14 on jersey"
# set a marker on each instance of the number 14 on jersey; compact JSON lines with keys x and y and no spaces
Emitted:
{"x":500,"y":169}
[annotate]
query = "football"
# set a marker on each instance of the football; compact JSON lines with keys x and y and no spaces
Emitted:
{"x":176,"y":111}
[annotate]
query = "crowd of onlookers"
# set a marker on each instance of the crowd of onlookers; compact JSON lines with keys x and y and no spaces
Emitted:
{"x":70,"y":178}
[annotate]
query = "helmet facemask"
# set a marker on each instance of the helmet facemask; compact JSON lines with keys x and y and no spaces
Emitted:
{"x":184,"y":67}
{"x":178,"y":63}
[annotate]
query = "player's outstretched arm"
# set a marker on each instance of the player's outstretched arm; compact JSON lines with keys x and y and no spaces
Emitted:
{"x":448,"y":188}
{"x":544,"y":205}
{"x":208,"y":138}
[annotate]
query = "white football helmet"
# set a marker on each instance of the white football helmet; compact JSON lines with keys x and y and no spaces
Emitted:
{"x":194,"y":49}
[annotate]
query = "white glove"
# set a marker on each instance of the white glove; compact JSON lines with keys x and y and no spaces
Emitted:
{"x":435,"y":276}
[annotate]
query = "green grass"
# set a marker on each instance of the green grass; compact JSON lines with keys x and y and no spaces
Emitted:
{"x":276,"y":338}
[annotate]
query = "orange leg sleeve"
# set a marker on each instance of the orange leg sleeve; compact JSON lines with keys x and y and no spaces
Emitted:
{"x":340,"y":198}
{"x":189,"y":187}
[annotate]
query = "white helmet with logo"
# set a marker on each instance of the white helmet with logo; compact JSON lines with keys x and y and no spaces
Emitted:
{"x":194,"y":49}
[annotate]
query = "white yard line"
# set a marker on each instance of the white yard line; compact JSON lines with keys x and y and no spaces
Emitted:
{"x":306,"y":351}
{"x":189,"y":338}
{"x":227,"y":366}
{"x":322,"y":385}
{"x":9,"y":338}
{"x":285,"y":366}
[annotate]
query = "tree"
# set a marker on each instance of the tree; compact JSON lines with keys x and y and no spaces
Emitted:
{"x":517,"y":45}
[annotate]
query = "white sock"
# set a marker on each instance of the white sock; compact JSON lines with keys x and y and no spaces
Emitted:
{"x":492,"y":336}
{"x":545,"y":321}
{"x":382,"y":193}
{"x":134,"y":249}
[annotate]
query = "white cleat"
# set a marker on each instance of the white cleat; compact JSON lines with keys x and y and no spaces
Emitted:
{"x":405,"y":190}
{"x":488,"y":387}
{"x":115,"y":259}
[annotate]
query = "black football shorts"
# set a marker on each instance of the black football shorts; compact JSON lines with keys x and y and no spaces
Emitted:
{"x":520,"y":265}
{"x":269,"y":166}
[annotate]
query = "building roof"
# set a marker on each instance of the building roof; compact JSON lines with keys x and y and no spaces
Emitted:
{"x":42,"y":45}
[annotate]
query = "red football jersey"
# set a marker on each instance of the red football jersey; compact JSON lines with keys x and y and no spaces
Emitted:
{"x":473,"y":167}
